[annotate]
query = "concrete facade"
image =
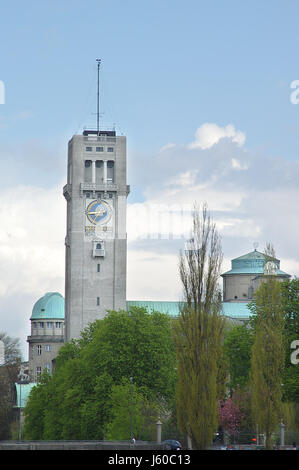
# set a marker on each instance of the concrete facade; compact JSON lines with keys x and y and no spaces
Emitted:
{"x":47,"y":334}
{"x":246,"y":275}
{"x":96,"y":241}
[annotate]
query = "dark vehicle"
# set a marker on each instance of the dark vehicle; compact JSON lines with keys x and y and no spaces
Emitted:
{"x":172,"y":444}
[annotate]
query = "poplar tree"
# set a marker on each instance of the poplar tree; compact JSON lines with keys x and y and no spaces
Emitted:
{"x":267,"y":359}
{"x":198,"y":331}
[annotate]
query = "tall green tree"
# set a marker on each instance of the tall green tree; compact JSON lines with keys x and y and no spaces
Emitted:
{"x":237,"y":349}
{"x":198,"y":331}
{"x":290,"y":298}
{"x":267,"y":360}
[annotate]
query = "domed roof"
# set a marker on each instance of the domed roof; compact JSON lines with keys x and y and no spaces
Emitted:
{"x":51,"y":305}
{"x":252,"y":263}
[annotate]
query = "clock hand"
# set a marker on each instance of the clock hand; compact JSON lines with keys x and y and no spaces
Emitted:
{"x":99,"y":213}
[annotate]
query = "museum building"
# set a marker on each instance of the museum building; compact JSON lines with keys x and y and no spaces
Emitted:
{"x":239,"y":285}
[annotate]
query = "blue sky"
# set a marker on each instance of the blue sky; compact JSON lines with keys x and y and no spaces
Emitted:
{"x":202,"y":91}
{"x":167,"y":66}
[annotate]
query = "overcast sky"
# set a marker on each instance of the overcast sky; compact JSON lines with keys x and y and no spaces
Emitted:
{"x":205,"y":92}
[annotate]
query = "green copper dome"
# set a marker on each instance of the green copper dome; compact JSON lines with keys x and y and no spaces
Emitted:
{"x":51,"y":305}
{"x":252,"y":263}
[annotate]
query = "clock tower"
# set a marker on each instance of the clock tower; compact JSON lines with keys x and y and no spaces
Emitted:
{"x":96,"y":245}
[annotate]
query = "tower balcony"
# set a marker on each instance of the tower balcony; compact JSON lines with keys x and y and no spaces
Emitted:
{"x":97,"y":187}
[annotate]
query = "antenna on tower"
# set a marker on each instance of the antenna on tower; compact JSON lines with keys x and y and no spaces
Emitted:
{"x":98,"y":97}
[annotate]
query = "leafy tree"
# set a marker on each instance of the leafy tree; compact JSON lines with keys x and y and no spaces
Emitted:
{"x":35,"y":409}
{"x":145,"y":413}
{"x":236,"y":417}
{"x":290,"y":298}
{"x":198,"y":332}
{"x":230,"y":415}
{"x":237,"y":348}
{"x":267,"y":360}
{"x":8,"y":376}
{"x":76,"y":398}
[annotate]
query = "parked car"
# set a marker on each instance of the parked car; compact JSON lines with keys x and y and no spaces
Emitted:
{"x":172,"y":444}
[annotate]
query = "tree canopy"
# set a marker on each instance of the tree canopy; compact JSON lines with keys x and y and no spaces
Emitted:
{"x":237,"y":348}
{"x":78,"y":400}
{"x":267,"y":359}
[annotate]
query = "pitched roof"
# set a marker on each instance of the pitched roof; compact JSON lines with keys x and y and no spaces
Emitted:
{"x":170,"y":308}
{"x":238,"y":310}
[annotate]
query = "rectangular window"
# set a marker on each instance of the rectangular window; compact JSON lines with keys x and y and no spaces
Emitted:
{"x":88,"y":171}
{"x":49,"y":324}
{"x":99,"y":268}
{"x":110,"y":149}
{"x":99,"y":149}
{"x":98,"y":301}
{"x":48,"y":367}
{"x":38,"y":370}
{"x":39,"y":349}
{"x":41,"y":324}
{"x":88,"y":149}
{"x":58,"y":324}
{"x":48,"y":347}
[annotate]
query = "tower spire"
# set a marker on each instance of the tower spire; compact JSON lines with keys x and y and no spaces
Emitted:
{"x":98,"y":97}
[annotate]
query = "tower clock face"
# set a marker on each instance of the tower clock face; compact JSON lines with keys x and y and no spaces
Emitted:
{"x":98,"y":212}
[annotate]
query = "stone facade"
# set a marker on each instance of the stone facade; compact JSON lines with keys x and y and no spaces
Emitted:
{"x":96,"y":244}
{"x":47,"y":334}
{"x":245,"y":276}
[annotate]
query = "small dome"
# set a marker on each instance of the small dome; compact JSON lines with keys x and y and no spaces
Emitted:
{"x":252,"y":263}
{"x":51,"y":305}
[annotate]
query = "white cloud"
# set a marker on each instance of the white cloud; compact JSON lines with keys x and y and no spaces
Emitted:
{"x":259,"y":204}
{"x":256,"y":205}
{"x":32,"y":235}
{"x":183,"y":179}
{"x":209,"y":134}
{"x":167,"y":147}
{"x":31,"y":238}
{"x":158,"y":220}
{"x":152,"y":276}
{"x":237,"y":165}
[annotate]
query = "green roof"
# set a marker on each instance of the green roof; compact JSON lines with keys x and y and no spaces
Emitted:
{"x":230,"y":309}
{"x":252,"y":263}
{"x":51,"y":305}
{"x":236,"y":309}
{"x":252,"y":255}
{"x":23,"y":391}
{"x":170,"y":308}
